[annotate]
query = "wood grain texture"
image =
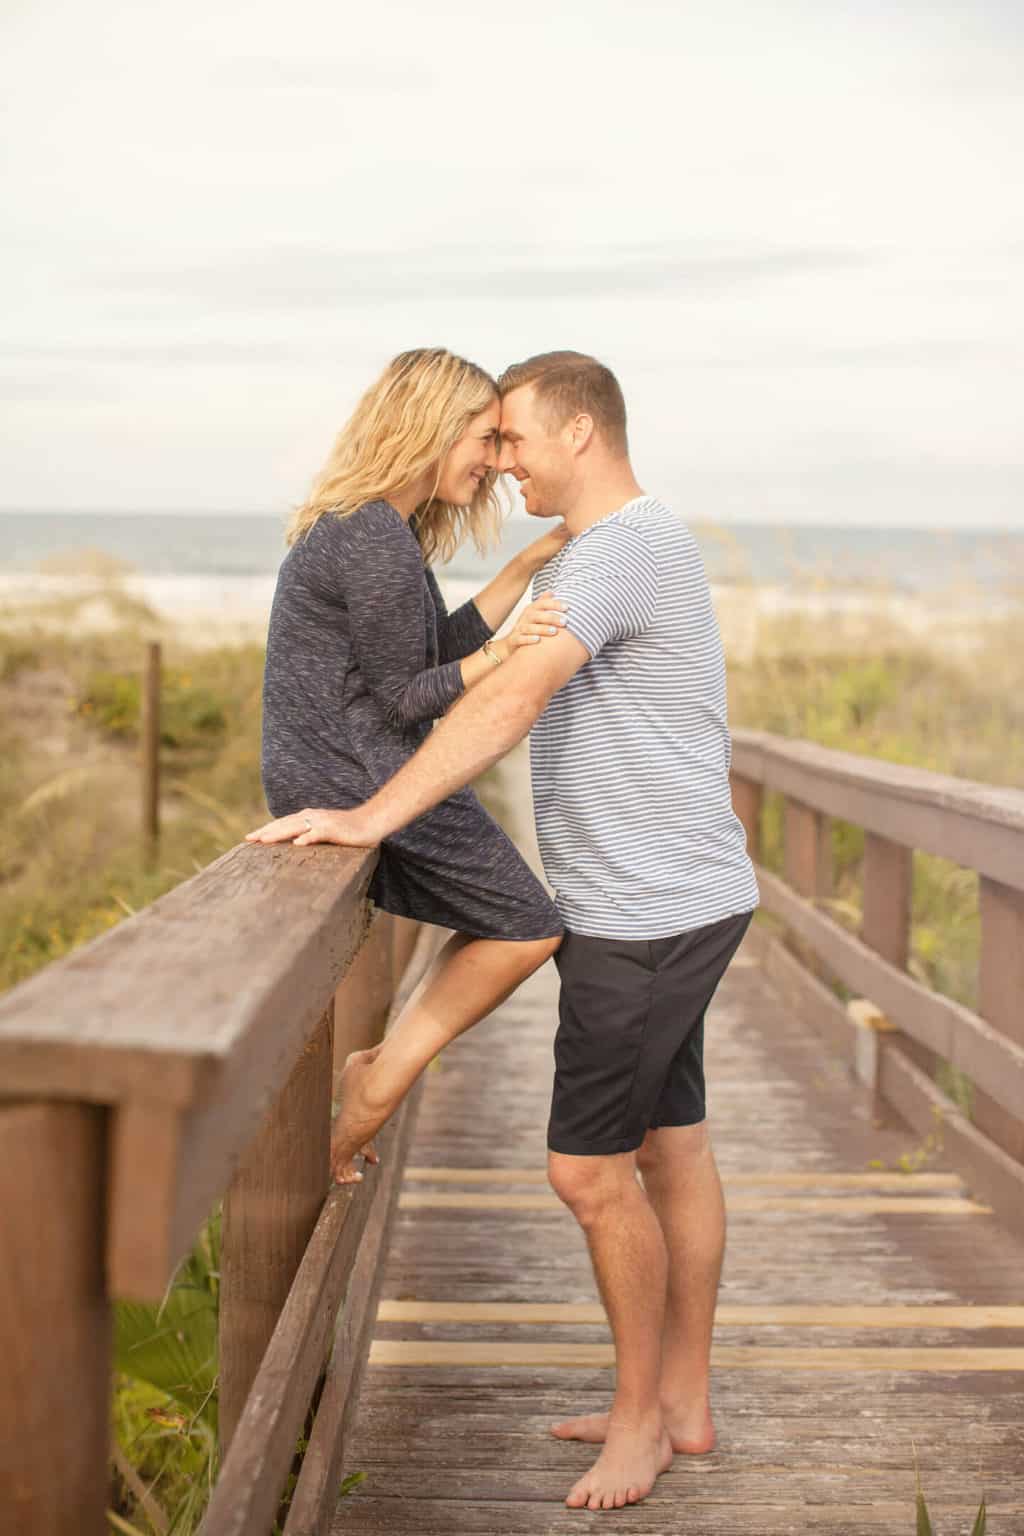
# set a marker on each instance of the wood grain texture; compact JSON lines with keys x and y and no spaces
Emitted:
{"x":822,"y":1439}
{"x":911,"y":1183}
{"x":989,"y":1057}
{"x":54,"y":1321}
{"x":799,"y":1205}
{"x":312,"y":1505}
{"x":270,"y":1211}
{"x":976,"y":825}
{"x":480,"y":1312}
{"x":888,"y":878}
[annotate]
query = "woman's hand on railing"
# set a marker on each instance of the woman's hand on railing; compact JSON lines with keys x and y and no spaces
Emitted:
{"x":351,"y":829}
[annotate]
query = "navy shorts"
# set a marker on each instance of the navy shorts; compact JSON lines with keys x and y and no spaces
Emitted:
{"x":629,"y":1051}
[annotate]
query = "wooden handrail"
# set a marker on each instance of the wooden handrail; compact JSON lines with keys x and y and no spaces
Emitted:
{"x":183,"y":1056}
{"x":901,"y":810}
{"x":186,"y":1021}
{"x":980,"y":826}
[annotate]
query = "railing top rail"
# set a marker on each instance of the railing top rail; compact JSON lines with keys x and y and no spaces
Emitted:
{"x":980,"y":826}
{"x":186,"y":1020}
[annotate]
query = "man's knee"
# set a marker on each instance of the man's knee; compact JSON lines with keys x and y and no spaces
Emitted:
{"x":587,"y":1185}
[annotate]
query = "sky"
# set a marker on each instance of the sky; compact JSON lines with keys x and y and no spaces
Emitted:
{"x":795,"y":231}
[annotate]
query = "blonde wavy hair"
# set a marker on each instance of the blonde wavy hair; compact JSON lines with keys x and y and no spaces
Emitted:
{"x":402,"y":430}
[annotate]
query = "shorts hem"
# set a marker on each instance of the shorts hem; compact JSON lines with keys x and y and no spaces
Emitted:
{"x":570,"y":1146}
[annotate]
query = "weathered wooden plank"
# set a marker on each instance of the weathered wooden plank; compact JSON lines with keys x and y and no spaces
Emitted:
{"x":727,"y":1314}
{"x":993,"y":1173}
{"x":747,"y":799}
{"x":968,"y":1042}
{"x":948,"y":1360}
{"x":913,"y":1183}
{"x":807,"y":850}
{"x":762,"y":1514}
{"x":976,"y":825}
{"x":247,"y":1493}
{"x":136,"y":995}
{"x":315,"y":1494}
{"x":270,"y":1211}
{"x":888,"y":880}
{"x":56,"y":1329}
{"x":841,"y":1205}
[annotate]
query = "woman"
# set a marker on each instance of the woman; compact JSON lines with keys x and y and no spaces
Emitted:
{"x":362,"y":657}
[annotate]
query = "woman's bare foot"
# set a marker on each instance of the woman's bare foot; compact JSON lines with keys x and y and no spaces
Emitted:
{"x":626,"y":1470}
{"x":690,"y":1429}
{"x":356,"y":1122}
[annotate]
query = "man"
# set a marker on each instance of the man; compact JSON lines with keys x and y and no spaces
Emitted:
{"x":630,"y":758}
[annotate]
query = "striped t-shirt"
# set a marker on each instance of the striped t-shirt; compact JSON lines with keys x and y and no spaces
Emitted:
{"x":630,"y":759}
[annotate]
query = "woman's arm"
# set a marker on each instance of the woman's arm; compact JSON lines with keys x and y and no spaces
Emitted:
{"x":500,"y":596}
{"x":381,"y":572}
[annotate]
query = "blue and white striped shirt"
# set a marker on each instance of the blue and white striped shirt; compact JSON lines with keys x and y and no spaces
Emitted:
{"x":630,"y":759}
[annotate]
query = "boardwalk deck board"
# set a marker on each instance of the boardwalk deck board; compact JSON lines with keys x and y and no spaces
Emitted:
{"x":464,"y":1450}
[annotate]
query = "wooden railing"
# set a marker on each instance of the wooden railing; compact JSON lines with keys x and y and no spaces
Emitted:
{"x":897,"y":1029}
{"x":184,"y":1056}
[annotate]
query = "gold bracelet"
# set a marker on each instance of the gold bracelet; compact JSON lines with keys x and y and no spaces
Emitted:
{"x":491,"y":653}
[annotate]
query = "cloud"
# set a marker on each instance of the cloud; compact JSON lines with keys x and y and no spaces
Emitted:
{"x":305,"y":276}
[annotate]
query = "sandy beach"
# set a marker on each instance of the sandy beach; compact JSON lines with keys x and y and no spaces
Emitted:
{"x":214,"y":610}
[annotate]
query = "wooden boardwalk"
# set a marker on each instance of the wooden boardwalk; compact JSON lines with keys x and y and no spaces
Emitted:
{"x":828,"y":1375}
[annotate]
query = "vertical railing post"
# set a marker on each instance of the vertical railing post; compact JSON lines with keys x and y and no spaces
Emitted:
{"x":150,"y":732}
{"x":887,"y":881}
{"x":270,"y":1210}
{"x":747,"y":800}
{"x":808,"y":851}
{"x":1001,"y":997}
{"x":55,"y":1320}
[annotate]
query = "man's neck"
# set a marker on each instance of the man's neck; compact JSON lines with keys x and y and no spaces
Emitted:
{"x":599,"y":501}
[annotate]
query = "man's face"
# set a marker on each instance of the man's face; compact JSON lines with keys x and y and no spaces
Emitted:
{"x":541,"y":460}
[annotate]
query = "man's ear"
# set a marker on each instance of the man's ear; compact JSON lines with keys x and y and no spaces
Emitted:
{"x":581,"y":432}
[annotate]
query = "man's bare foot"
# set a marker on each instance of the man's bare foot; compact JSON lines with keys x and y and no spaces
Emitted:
{"x":690,"y":1430}
{"x":626,"y":1470}
{"x":355,"y":1123}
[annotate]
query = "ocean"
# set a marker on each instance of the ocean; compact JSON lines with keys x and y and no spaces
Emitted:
{"x":214,"y":545}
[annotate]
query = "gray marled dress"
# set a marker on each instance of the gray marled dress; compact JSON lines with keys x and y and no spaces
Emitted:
{"x":362,"y":656}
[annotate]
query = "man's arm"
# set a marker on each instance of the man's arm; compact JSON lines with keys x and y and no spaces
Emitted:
{"x":476,"y":732}
{"x":481,"y":728}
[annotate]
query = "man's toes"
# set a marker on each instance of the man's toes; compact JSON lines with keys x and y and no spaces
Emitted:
{"x":633,"y":1495}
{"x":620,"y":1497}
{"x":578,"y":1495}
{"x":371,"y":1154}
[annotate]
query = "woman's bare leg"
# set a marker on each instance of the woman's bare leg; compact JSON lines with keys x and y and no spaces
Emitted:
{"x":468,"y":980}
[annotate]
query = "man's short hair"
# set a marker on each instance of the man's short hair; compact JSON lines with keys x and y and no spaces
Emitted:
{"x":568,"y":384}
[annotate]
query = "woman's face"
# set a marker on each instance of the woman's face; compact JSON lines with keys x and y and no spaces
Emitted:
{"x":475,"y":453}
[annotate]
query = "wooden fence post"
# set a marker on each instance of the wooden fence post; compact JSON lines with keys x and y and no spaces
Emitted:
{"x":270,"y":1211}
{"x":747,"y":799}
{"x":56,"y":1321}
{"x":887,"y":880}
{"x":1001,"y":998}
{"x":150,"y":733}
{"x":808,"y":851}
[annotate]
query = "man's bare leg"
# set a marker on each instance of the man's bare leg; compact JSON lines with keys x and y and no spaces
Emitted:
{"x":469,"y":978}
{"x":630,"y":1263}
{"x":681,"y":1179}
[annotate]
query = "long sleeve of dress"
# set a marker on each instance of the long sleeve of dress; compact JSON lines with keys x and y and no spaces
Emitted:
{"x":461,"y":632}
{"x":382,"y":583}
